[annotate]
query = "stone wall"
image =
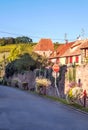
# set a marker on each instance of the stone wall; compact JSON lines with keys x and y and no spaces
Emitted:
{"x":60,"y":84}
{"x":17,"y":80}
{"x":82,"y":74}
{"x":27,"y":77}
{"x":61,"y":81}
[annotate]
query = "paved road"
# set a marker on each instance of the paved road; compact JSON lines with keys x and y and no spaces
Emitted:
{"x":20,"y":110}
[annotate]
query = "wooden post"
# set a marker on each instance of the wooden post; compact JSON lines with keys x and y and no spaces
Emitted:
{"x":84,"y":96}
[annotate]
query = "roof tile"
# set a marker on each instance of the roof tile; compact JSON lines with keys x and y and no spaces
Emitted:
{"x":44,"y":45}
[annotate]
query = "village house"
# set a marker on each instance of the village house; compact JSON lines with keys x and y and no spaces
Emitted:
{"x":72,"y":52}
{"x":84,"y":51}
{"x":68,"y":53}
{"x":45,"y":47}
{"x":76,"y":53}
{"x":56,"y":55}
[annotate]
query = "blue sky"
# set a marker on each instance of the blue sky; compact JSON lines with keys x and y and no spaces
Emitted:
{"x":44,"y":19}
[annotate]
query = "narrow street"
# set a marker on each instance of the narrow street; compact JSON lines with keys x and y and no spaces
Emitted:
{"x":20,"y":110}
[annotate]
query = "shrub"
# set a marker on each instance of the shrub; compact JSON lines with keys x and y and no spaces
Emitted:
{"x":41,"y":84}
{"x":1,"y":80}
{"x":74,"y":94}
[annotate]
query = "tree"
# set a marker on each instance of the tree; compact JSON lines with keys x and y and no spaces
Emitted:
{"x":7,"y":40}
{"x":15,"y":53}
{"x":74,"y":72}
{"x":23,"y":39}
{"x":3,"y":41}
{"x":11,"y":40}
{"x":24,"y":63}
{"x":70,"y":75}
{"x":10,"y":69}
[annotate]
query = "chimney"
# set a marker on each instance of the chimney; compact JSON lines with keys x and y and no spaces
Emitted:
{"x":79,"y":37}
{"x":66,"y":41}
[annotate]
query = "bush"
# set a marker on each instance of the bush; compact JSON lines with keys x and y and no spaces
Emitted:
{"x":1,"y":80}
{"x":4,"y":82}
{"x":41,"y":84}
{"x":74,"y":94}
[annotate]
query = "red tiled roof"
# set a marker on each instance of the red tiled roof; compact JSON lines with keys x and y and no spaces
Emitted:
{"x":84,"y":45}
{"x":65,"y":48}
{"x":55,"y":53}
{"x":74,"y":49}
{"x":72,"y":53}
{"x":71,"y":49}
{"x":61,"y":50}
{"x":77,"y":43}
{"x":44,"y":45}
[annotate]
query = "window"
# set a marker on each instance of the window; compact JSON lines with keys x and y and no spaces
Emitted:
{"x":44,"y":53}
{"x":76,"y":59}
{"x":70,"y":59}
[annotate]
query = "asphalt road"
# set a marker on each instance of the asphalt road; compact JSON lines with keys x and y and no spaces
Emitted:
{"x":20,"y":110}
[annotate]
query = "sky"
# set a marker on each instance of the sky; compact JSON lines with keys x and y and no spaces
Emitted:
{"x":54,"y":19}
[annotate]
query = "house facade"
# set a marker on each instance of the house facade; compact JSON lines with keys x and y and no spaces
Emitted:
{"x":45,"y":47}
{"x":68,"y":53}
{"x":62,"y":48}
{"x":84,"y":51}
{"x":73,"y":52}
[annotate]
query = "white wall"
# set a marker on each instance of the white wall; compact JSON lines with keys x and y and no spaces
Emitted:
{"x":44,"y":53}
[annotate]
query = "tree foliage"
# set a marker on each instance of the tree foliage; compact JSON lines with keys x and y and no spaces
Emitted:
{"x":10,"y":69}
{"x":6,"y":41}
{"x":23,"y":39}
{"x":24,"y":63}
{"x":15,"y":53}
{"x":11,"y":40}
{"x":74,"y":72}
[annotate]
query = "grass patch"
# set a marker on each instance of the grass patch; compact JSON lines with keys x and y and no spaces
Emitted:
{"x":63,"y":101}
{"x":77,"y":106}
{"x":57,"y":99}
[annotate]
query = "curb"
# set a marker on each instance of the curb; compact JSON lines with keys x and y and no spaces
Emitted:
{"x":69,"y":106}
{"x":77,"y":109}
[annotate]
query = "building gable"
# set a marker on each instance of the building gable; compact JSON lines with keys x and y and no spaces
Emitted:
{"x":44,"y":47}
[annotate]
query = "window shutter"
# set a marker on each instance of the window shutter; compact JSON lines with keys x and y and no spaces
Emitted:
{"x":70,"y":59}
{"x":77,"y":59}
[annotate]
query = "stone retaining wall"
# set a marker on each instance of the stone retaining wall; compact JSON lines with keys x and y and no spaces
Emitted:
{"x":82,"y":74}
{"x":27,"y":77}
